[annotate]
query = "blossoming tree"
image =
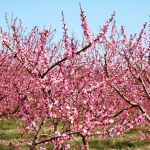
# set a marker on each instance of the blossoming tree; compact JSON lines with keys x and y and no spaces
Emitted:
{"x":99,"y":87}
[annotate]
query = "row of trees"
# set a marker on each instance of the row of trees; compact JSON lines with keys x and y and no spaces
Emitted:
{"x":98,"y":87}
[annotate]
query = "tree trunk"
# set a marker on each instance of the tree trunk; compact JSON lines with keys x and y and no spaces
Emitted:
{"x":85,"y":142}
{"x":39,"y":132}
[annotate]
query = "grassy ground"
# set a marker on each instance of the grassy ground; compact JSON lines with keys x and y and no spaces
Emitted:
{"x":9,"y":133}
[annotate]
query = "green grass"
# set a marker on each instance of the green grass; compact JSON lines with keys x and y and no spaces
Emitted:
{"x":7,"y":125}
{"x":5,"y":147}
{"x":9,"y":132}
{"x":9,"y":136}
{"x":117,"y":143}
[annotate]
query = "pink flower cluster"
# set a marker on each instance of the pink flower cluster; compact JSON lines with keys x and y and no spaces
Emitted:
{"x":85,"y":27}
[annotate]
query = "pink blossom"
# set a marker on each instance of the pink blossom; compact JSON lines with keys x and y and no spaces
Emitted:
{"x":84,"y":132}
{"x":41,"y":148}
{"x":67,"y":147}
{"x":57,"y":133}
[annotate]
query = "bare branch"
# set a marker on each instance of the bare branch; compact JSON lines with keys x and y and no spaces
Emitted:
{"x":13,"y":112}
{"x":148,"y":78}
{"x":144,"y":87}
{"x":133,"y":104}
{"x":16,"y":56}
{"x":54,"y":138}
{"x":1,"y":98}
{"x":39,"y":132}
{"x":64,"y":59}
{"x":106,"y":65}
{"x":121,"y":111}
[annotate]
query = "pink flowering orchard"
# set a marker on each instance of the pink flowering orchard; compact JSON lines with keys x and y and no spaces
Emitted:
{"x":99,"y":87}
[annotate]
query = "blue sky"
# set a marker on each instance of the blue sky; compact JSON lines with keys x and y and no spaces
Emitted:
{"x":130,"y":13}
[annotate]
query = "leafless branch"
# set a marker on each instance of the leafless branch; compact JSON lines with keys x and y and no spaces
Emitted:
{"x":13,"y":112}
